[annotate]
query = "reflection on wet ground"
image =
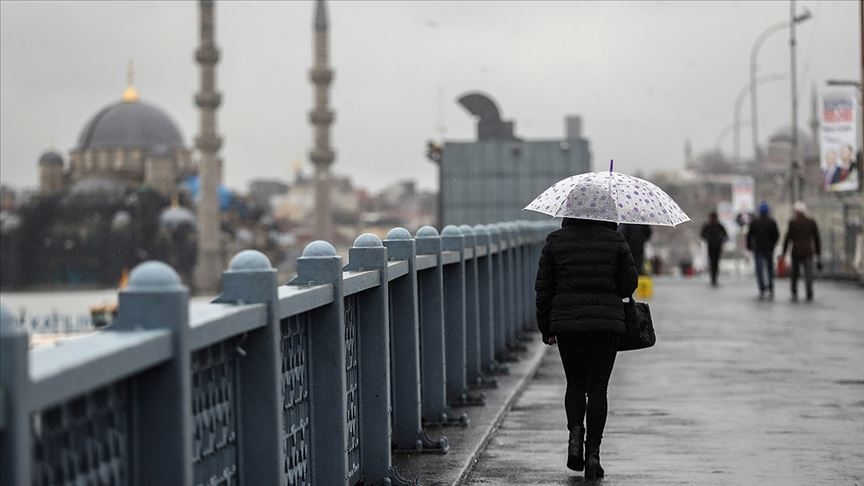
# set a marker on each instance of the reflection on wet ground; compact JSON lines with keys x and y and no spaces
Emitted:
{"x":736,"y":391}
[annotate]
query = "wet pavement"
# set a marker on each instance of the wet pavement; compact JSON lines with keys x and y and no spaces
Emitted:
{"x":736,"y":391}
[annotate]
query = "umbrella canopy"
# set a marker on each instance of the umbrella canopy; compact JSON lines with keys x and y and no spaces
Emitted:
{"x":609,"y":196}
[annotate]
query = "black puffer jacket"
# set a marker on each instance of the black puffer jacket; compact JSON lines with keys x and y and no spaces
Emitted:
{"x":585,"y":270}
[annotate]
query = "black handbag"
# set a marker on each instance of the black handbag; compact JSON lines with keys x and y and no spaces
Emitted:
{"x":639,"y":332}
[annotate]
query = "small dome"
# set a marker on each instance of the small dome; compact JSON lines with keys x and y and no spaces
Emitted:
{"x":51,"y":158}
{"x":9,"y":222}
{"x":121,"y":219}
{"x":175,"y":217}
{"x":130,"y":124}
{"x":785,"y":135}
{"x":97,"y":187}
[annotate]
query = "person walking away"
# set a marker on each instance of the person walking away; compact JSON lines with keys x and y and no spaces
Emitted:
{"x":585,"y":270}
{"x":803,"y":235}
{"x":714,"y":235}
{"x":761,"y":240}
{"x":636,"y":236}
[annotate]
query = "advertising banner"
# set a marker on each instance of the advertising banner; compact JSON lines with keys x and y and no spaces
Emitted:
{"x":837,"y":141}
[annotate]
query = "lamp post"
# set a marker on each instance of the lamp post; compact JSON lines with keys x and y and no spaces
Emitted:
{"x":733,"y":127}
{"x":754,"y":51}
{"x":739,"y":100}
{"x":794,"y":163}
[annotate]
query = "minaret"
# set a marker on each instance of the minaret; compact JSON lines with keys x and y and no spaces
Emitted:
{"x":208,"y":269}
{"x":321,"y":116}
{"x":688,"y":154}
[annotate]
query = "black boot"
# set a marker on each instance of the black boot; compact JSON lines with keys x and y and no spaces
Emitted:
{"x":592,"y":461}
{"x":575,"y":453}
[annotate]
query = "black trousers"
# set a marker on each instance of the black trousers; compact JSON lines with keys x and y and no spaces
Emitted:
{"x":797,"y":263}
{"x":714,"y":262}
{"x":588,"y":359}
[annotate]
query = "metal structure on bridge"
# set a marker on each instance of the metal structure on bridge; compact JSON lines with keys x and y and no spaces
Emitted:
{"x":491,"y":179}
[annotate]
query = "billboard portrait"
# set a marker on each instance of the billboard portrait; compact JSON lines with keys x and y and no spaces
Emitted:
{"x":838,"y":142}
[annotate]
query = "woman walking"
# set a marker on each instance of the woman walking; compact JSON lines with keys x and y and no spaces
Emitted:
{"x":585,"y":270}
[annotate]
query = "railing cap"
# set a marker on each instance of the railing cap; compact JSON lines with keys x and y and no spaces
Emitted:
{"x":451,"y":230}
{"x":427,"y":232}
{"x":154,"y":276}
{"x":368,"y":240}
{"x":481,"y":229}
{"x":398,"y":233}
{"x":318,"y":249}
{"x":466,"y":230}
{"x":249,"y":261}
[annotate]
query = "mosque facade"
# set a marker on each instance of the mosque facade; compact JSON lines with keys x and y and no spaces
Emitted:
{"x":130,"y":143}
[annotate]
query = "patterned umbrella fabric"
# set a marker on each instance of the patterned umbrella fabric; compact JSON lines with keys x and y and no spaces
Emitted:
{"x":609,"y":196}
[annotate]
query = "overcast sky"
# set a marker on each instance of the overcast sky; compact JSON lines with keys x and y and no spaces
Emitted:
{"x":644,"y":76}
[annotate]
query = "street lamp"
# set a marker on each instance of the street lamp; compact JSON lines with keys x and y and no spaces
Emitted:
{"x":794,"y":164}
{"x":739,"y":100}
{"x":754,"y":51}
{"x":721,"y":136}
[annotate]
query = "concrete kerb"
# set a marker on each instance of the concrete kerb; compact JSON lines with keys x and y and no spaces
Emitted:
{"x":466,"y":444}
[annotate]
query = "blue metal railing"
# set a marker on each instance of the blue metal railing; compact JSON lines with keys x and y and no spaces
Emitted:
{"x":316,"y":381}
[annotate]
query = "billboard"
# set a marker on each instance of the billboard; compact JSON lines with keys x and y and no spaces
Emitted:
{"x":837,"y":141}
{"x":743,"y":199}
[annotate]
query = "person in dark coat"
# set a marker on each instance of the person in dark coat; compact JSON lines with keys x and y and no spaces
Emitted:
{"x":714,"y":235}
{"x":803,"y":234}
{"x":761,"y":240}
{"x":637,"y":235}
{"x":585,"y":271}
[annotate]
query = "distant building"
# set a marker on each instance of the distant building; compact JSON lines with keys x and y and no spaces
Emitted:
{"x":262,"y":191}
{"x":493,"y":178}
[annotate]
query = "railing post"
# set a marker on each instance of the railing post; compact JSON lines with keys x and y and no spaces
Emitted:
{"x":530,"y":270}
{"x":498,"y":317}
{"x":432,"y":352}
{"x":156,"y":299}
{"x":486,"y":304}
{"x":320,"y":265}
{"x":520,"y":279}
{"x":408,"y":433}
{"x":250,"y":279}
{"x":15,"y":408}
{"x":452,"y":240}
{"x":373,"y":324}
{"x":473,"y":365}
{"x":509,"y":281}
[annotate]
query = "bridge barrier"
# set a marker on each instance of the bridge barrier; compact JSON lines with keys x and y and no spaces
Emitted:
{"x":317,"y":381}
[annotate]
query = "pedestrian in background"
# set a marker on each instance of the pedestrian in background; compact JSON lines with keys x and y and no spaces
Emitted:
{"x":803,"y":234}
{"x":761,"y":240}
{"x":636,"y":236}
{"x":585,"y":271}
{"x":714,"y":235}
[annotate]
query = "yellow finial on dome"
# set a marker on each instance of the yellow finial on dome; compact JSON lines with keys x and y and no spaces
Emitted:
{"x":130,"y":94}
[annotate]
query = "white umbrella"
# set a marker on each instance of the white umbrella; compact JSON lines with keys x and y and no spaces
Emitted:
{"x":609,"y":196}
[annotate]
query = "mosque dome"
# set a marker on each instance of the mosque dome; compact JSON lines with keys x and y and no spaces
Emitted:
{"x":783,"y":136}
{"x":130,"y":123}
